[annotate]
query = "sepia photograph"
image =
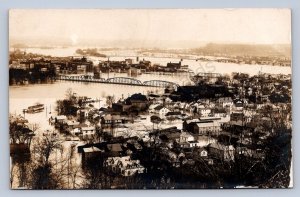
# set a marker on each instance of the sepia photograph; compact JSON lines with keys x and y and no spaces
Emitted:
{"x":150,"y":99}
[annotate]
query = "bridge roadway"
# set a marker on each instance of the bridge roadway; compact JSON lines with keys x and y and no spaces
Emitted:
{"x":118,"y":80}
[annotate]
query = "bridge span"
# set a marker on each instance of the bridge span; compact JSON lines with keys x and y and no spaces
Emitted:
{"x":119,"y":80}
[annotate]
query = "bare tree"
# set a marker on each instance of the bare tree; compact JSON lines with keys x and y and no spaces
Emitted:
{"x":44,"y":147}
{"x":19,"y":132}
{"x":69,"y":94}
{"x":65,"y":172}
{"x":12,"y":173}
{"x":110,"y":100}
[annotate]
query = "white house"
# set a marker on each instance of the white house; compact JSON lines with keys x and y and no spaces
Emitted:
{"x":124,"y":165}
{"x":72,"y":124}
{"x":186,"y":137}
{"x":161,"y":110}
{"x":88,"y":131}
{"x":203,"y":152}
{"x":224,"y":102}
{"x":203,"y":110}
{"x":61,"y":119}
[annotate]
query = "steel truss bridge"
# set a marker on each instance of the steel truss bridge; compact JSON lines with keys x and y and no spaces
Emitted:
{"x":119,"y":80}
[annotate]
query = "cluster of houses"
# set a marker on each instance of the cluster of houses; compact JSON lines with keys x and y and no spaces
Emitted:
{"x":28,"y":68}
{"x":118,"y":158}
{"x":137,"y":67}
{"x":124,"y":165}
{"x":71,"y":65}
{"x":216,"y":128}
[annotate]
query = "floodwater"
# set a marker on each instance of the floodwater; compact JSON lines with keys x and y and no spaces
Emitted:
{"x":23,"y":96}
{"x":20,"y":97}
{"x":163,"y":59}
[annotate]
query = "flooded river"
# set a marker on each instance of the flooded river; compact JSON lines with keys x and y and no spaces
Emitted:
{"x":23,"y":96}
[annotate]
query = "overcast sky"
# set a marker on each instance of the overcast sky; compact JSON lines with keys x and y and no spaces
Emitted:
{"x":151,"y":27}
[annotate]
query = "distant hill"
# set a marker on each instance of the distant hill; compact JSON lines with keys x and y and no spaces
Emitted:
{"x":244,"y":50}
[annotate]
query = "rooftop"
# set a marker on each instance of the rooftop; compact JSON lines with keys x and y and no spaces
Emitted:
{"x":91,"y":149}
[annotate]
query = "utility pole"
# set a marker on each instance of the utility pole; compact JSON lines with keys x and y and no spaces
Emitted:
{"x":24,"y":112}
{"x":108,"y":67}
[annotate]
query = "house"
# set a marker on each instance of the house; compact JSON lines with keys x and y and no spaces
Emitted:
{"x":161,"y":110}
{"x":81,"y":69}
{"x":168,"y":100}
{"x":202,"y":152}
{"x":224,"y":102}
{"x":75,"y":131}
{"x":60,"y":119}
{"x":203,"y":126}
{"x":173,"y":115}
{"x":186,"y":140}
{"x":109,"y":120}
{"x":221,"y":151}
{"x":88,"y":131}
{"x":189,"y":144}
{"x":239,"y":128}
{"x":96,"y":117}
{"x":244,"y":151}
{"x":89,"y":151}
{"x":19,"y":120}
{"x":186,"y":137}
{"x":207,"y":128}
{"x":134,"y":71}
{"x":237,"y":117}
{"x":152,"y":107}
{"x":72,"y":124}
{"x":91,"y":155}
{"x":194,"y":143}
{"x":114,"y":149}
{"x":175,"y":159}
{"x":203,"y":111}
{"x":174,"y":66}
{"x":220,"y":113}
{"x":135,"y":103}
{"x":83,"y":113}
{"x":111,"y":124}
{"x":138,"y":101}
{"x":205,"y":140}
{"x":128,"y":61}
{"x":121,"y":107}
{"x":187,"y":125}
{"x":124,"y":166}
{"x":238,"y":104}
{"x":134,"y":145}
{"x":204,"y":101}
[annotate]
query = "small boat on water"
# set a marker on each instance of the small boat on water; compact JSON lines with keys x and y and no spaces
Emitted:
{"x":35,"y":108}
